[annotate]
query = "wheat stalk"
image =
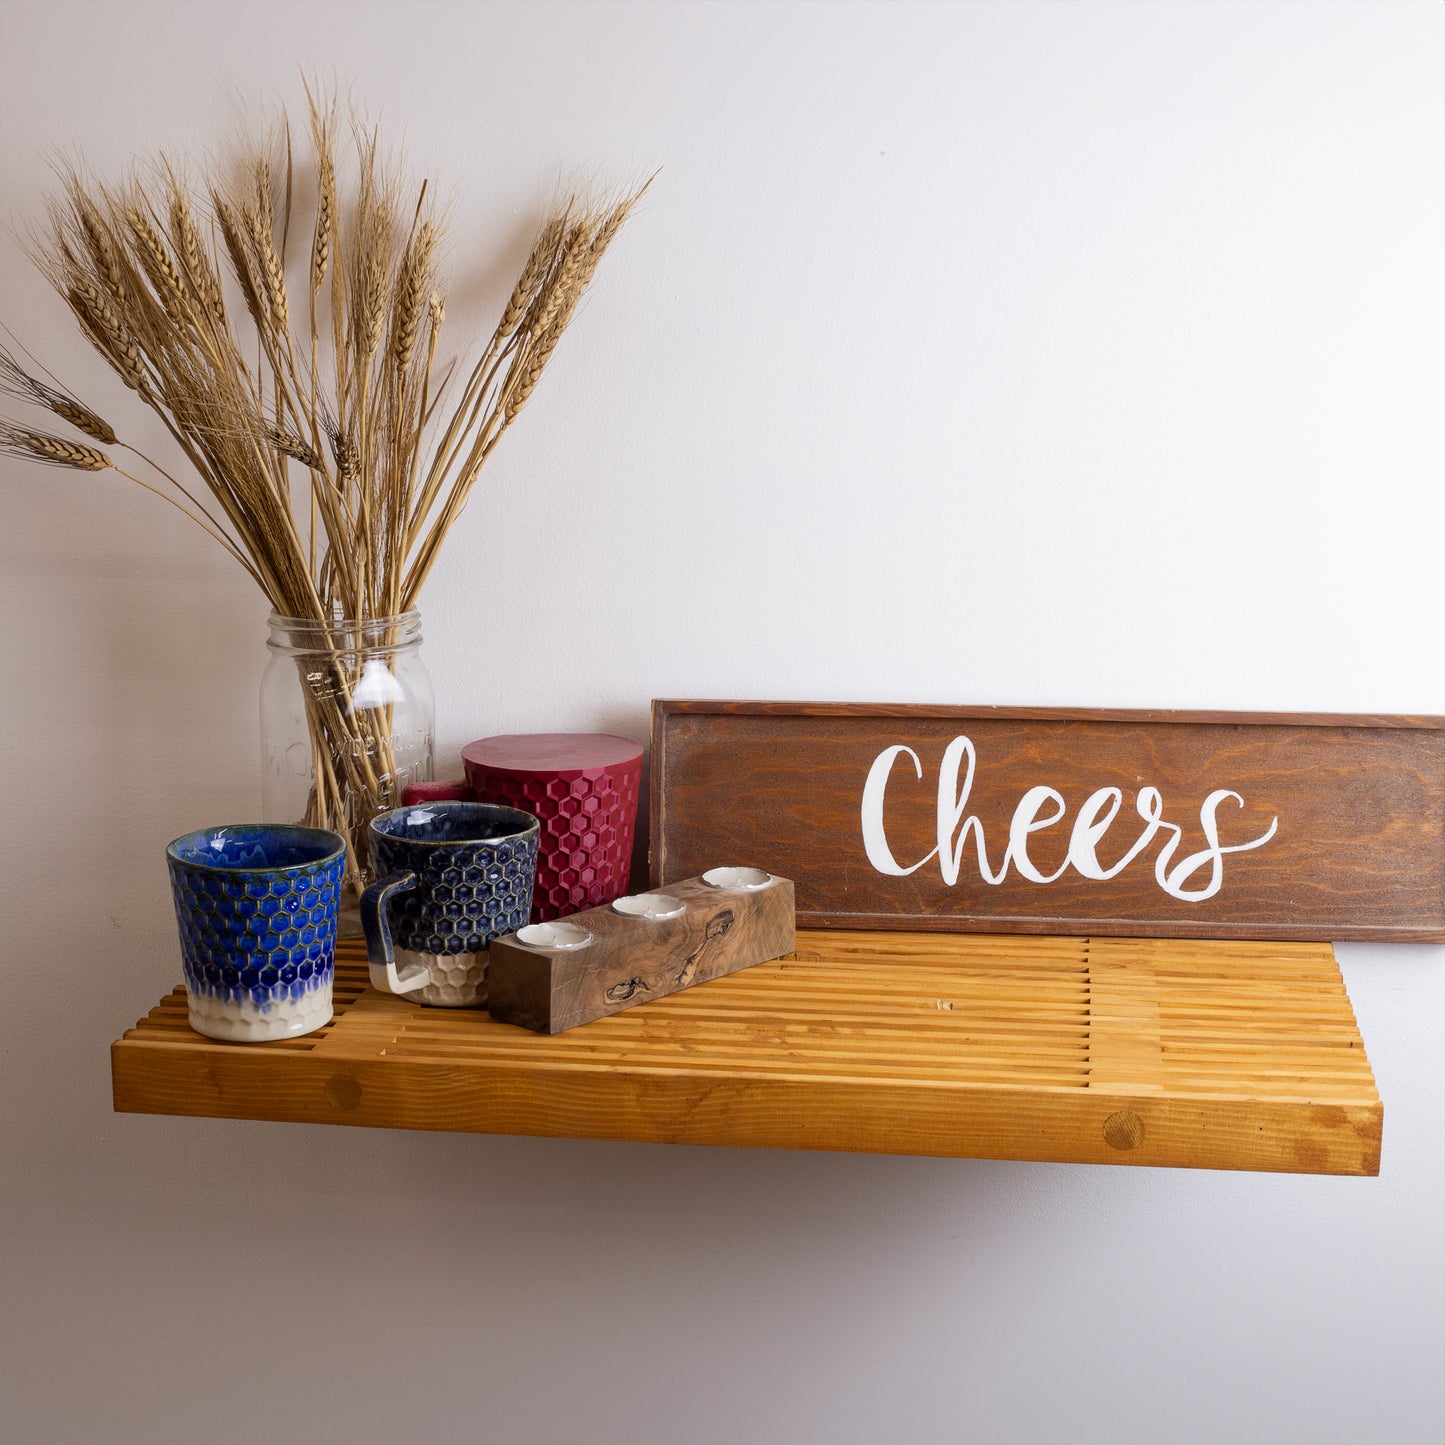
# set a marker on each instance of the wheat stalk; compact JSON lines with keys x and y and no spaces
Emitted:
{"x":53,"y":450}
{"x":17,"y":382}
{"x":385,"y":454}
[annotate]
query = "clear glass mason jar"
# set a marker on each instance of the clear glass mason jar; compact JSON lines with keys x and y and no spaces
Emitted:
{"x":347,"y":722}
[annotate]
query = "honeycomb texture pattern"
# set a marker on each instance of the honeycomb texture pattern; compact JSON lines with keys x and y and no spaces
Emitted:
{"x":467,"y":893}
{"x":456,"y":980}
{"x":588,"y":820}
{"x":257,"y":946}
{"x":244,"y":1023}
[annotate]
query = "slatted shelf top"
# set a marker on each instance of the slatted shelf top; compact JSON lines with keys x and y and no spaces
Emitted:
{"x":1140,"y":1051}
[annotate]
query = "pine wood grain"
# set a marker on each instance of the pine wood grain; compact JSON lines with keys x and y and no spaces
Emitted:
{"x":1177,"y":1053}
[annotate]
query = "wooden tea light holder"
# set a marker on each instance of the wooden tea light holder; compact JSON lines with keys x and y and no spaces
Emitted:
{"x":553,"y":976}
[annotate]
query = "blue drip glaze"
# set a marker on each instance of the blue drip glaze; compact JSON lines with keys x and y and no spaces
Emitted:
{"x":256,"y":908}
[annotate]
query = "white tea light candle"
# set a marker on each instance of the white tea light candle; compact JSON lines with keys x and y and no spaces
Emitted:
{"x":554,"y":935}
{"x":650,"y":905}
{"x":748,"y":878}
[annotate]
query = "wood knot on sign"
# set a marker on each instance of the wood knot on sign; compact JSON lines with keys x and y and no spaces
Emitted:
{"x":343,"y":1092}
{"x":1124,"y":1130}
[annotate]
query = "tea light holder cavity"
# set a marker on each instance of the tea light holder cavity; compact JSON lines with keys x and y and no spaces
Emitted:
{"x":550,"y":977}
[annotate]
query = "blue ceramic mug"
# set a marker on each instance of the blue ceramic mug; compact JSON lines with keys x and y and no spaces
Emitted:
{"x":256,"y":906}
{"x":451,"y":877}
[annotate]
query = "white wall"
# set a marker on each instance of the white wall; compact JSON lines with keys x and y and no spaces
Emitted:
{"x":1078,"y":354}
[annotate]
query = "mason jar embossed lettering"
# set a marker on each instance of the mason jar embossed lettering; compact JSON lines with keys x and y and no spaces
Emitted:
{"x":347,"y":723}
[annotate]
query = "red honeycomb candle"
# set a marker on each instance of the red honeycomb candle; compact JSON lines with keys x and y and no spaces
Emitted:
{"x":582,"y":786}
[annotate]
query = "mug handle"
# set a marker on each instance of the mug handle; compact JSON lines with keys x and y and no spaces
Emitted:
{"x":381,"y":958}
{"x":454,"y":790}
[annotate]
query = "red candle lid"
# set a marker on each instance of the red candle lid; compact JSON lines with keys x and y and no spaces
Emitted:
{"x":552,"y":753}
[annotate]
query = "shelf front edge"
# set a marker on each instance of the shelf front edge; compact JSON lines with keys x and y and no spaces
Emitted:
{"x":676,"y":1107}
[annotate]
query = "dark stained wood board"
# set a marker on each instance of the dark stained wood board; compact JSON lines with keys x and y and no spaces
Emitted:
{"x":1346,"y":814}
{"x":632,"y":961}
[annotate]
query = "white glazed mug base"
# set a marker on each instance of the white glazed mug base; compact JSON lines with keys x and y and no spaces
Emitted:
{"x":246,"y":1023}
{"x":455,"y":980}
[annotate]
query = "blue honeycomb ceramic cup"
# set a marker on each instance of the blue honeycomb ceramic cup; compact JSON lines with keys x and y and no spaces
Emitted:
{"x":256,"y":905}
{"x":451,"y":877}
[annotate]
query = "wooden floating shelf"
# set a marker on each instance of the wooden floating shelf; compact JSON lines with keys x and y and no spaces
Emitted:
{"x":1090,"y":1050}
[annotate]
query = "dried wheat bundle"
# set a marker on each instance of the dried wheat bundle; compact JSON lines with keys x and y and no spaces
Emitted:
{"x":293,"y":359}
